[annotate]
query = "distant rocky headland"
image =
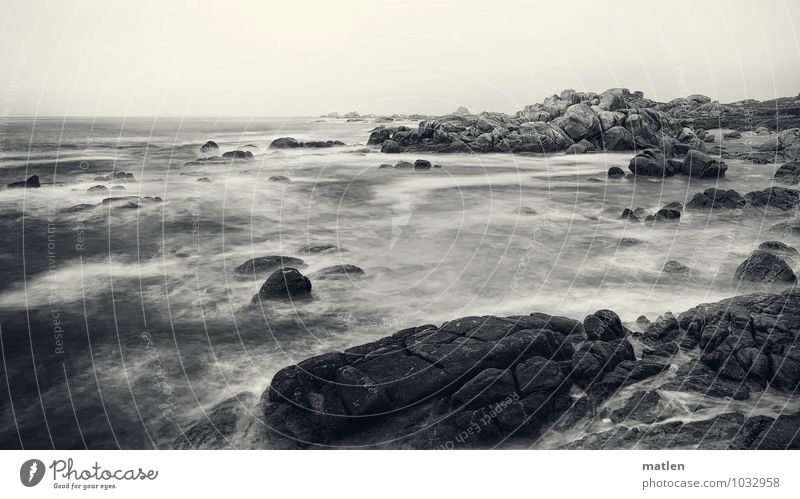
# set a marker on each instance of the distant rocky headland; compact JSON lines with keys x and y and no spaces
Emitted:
{"x":614,"y":120}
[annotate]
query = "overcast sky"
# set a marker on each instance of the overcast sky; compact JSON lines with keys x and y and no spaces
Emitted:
{"x":267,"y":58}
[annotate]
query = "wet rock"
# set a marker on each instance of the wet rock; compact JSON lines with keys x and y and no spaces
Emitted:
{"x":777,"y":247}
{"x":780,"y":198}
{"x":266,"y":264}
{"x":636,"y":215}
{"x":403,"y":165}
{"x":665,"y":215}
{"x":204,"y":180}
{"x":390,"y":147}
{"x":713,"y":198}
{"x":210,"y":147}
{"x":673,"y":267}
{"x":616,"y":172}
{"x":604,"y":325}
{"x":115,"y":177}
{"x":617,"y":138}
{"x":788,"y":173}
{"x":650,"y":163}
{"x":284,"y":143}
{"x":701,"y":165}
{"x":385,"y":166}
{"x":218,"y":429}
{"x":765,"y":267}
{"x":422,"y":164}
{"x":579,"y":122}
{"x":284,"y":284}
{"x":641,"y":407}
{"x":344,"y":271}
{"x":732,"y":134}
{"x":245,"y":155}
{"x":279,"y":178}
{"x":379,"y":136}
{"x":98,"y":188}
{"x":317,"y":248}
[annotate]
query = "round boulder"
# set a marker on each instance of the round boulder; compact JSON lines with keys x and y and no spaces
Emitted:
{"x":284,"y":143}
{"x":284,"y":284}
{"x":422,"y":164}
{"x":390,"y":147}
{"x":701,"y":165}
{"x":765,"y":267}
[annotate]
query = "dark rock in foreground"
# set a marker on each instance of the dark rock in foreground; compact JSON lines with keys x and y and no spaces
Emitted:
{"x":765,"y":267}
{"x":480,"y":382}
{"x":238,"y":154}
{"x":284,"y":284}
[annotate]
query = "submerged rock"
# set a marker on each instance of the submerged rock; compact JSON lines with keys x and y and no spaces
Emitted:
{"x":616,"y":172}
{"x":97,"y":188}
{"x":266,"y":264}
{"x":284,"y":284}
{"x":338,"y":272}
{"x":284,"y":143}
{"x":221,"y":425}
{"x":673,"y":267}
{"x":238,"y":154}
{"x":279,"y":178}
{"x":31,"y":182}
{"x":317,"y":248}
{"x":422,"y":164}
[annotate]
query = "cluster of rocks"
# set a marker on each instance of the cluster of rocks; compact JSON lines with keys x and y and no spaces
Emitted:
{"x":420,"y":164}
{"x":116,"y":177}
{"x":480,"y":382}
{"x":119,"y":203}
{"x":669,"y":213}
{"x":777,"y":198}
{"x":292,"y":143}
{"x":655,"y":163}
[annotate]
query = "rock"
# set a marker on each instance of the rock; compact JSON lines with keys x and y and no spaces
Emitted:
{"x":220,"y":426}
{"x":708,"y":138}
{"x":246,"y":155}
{"x":762,"y":130}
{"x":317,"y":248}
{"x":713,"y":198}
{"x":403,"y":165}
{"x":338,"y":272}
{"x":700,"y":165}
{"x":210,"y":147}
{"x":665,"y":215}
{"x":422,"y":164}
{"x":321,"y":143}
{"x":779,"y":198}
{"x":266,"y":264}
{"x":777,"y":247}
{"x":641,"y":407}
{"x":284,"y":143}
{"x":98,"y":188}
{"x":604,"y":325}
{"x":786,"y":142}
{"x":385,"y":166}
{"x":390,"y":147}
{"x":650,"y":163}
{"x":279,"y":178}
{"x":732,"y":134}
{"x":616,"y":172}
{"x":116,"y":177}
{"x":284,"y":284}
{"x":379,"y":136}
{"x":764,"y":267}
{"x":674,"y":205}
{"x":673,"y":267}
{"x":788,"y":173}
{"x":204,"y":180}
{"x":637,"y":214}
{"x":617,"y":138}
{"x":579,"y":122}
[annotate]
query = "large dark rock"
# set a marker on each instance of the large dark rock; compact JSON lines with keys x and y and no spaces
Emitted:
{"x":673,"y":267}
{"x":390,"y":147}
{"x":284,"y":284}
{"x":262,"y":265}
{"x":31,"y":182}
{"x":616,"y":172}
{"x":210,"y":147}
{"x":765,"y":267}
{"x":237,"y":154}
{"x":788,"y":173}
{"x":780,"y":198}
{"x":617,"y":138}
{"x":284,"y":143}
{"x":650,"y":163}
{"x":701,"y":165}
{"x":713,"y":198}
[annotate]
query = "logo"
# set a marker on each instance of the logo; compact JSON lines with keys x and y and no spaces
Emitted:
{"x":31,"y":472}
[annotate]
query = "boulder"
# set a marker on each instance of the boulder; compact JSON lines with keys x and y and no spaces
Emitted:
{"x":266,"y":264}
{"x":284,"y":143}
{"x":204,"y":180}
{"x":650,"y":163}
{"x":616,"y":172}
{"x":700,"y":165}
{"x":732,"y":134}
{"x":786,"y":142}
{"x":779,"y":198}
{"x":713,"y":198}
{"x":284,"y":284}
{"x":422,"y":164}
{"x":788,"y":173}
{"x":390,"y":147}
{"x":246,"y":155}
{"x":379,"y":136}
{"x":338,"y":272}
{"x":777,"y":247}
{"x":317,"y":248}
{"x":210,"y":147}
{"x":673,"y":267}
{"x":617,"y":138}
{"x":579,"y":122}
{"x":765,"y":267}
{"x":279,"y":178}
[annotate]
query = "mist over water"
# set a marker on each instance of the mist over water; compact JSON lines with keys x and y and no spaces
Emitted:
{"x":119,"y":325}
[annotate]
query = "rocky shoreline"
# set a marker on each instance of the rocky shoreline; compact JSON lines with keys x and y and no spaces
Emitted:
{"x":488,"y":382}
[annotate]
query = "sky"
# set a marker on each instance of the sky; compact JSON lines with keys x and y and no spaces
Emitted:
{"x":250,"y":58}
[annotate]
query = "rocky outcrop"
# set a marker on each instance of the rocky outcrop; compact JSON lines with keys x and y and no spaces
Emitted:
{"x":651,"y":163}
{"x":786,"y":143}
{"x":238,"y":154}
{"x":779,"y":198}
{"x":284,"y":284}
{"x":765,"y":267}
{"x":116,"y":177}
{"x":480,"y":382}
{"x":714,"y":198}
